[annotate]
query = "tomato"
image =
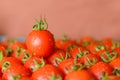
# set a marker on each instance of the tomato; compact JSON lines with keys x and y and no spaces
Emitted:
{"x":116,"y":65}
{"x":111,"y":77}
{"x":65,"y":43}
{"x":14,"y":47}
{"x":25,"y":78}
{"x":89,"y":60}
{"x":34,"y":63}
{"x":107,"y":42}
{"x":108,"y":56}
{"x":48,"y":72}
{"x":9,"y":61}
{"x":15,"y":72}
{"x":70,"y":65}
{"x":57,"y":57}
{"x":40,"y":42}
{"x":4,"y":43}
{"x":79,"y":75}
{"x":78,"y":52}
{"x":117,"y":50}
{"x":87,"y":40}
{"x":2,"y":52}
{"x":22,"y":54}
{"x":95,"y":48}
{"x":99,"y":68}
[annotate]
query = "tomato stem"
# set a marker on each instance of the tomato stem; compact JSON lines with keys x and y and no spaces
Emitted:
{"x":5,"y":65}
{"x":1,"y":55}
{"x":41,"y":25}
{"x":109,"y":56}
{"x":117,"y":72}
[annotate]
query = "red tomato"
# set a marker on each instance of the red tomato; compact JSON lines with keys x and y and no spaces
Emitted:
{"x":15,"y":72}
{"x":116,"y":65}
{"x":9,"y":61}
{"x":85,"y":41}
{"x":99,"y":68}
{"x":70,"y":65}
{"x":78,"y":52}
{"x":89,"y":60}
{"x":48,"y":72}
{"x":65,"y":43}
{"x":79,"y":75}
{"x":95,"y":48}
{"x":34,"y":63}
{"x":57,"y":57}
{"x":40,"y":42}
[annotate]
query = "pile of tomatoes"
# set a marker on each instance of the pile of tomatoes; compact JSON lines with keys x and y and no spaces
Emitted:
{"x":41,"y":57}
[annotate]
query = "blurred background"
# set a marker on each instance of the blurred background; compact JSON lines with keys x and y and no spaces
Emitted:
{"x":75,"y":18}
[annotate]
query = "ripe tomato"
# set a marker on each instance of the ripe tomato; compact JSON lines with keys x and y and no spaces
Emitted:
{"x":9,"y":61}
{"x":48,"y":72}
{"x":89,"y":60}
{"x":70,"y":65}
{"x":78,"y":52}
{"x":57,"y":57}
{"x":15,"y":72}
{"x":65,"y":43}
{"x":79,"y":75}
{"x":40,"y":42}
{"x":34,"y":63}
{"x":116,"y":65}
{"x":99,"y":68}
{"x":87,"y":40}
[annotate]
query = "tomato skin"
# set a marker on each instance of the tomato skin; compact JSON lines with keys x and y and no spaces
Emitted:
{"x":12,"y":60}
{"x":113,"y":77}
{"x":79,"y":75}
{"x":40,"y":43}
{"x":31,"y":65}
{"x":17,"y":44}
{"x":14,"y":71}
{"x":45,"y":72}
{"x":78,"y":50}
{"x":25,"y":78}
{"x":56,"y":54}
{"x":65,"y":44}
{"x":117,"y":50}
{"x":66,"y":66}
{"x":107,"y":42}
{"x":89,"y":59}
{"x":2,"y":50}
{"x":100,"y":67}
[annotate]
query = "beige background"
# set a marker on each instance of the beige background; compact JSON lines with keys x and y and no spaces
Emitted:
{"x":76,"y":18}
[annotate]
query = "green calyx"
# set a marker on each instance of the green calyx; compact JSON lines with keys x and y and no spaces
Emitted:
{"x":5,"y":65}
{"x":116,"y":72}
{"x":90,"y":62}
{"x":77,"y":66}
{"x":98,"y":48}
{"x":85,"y":44}
{"x":9,"y":51}
{"x":81,"y":53}
{"x":38,"y":65}
{"x":110,"y":57}
{"x":115,"y":44}
{"x":16,"y":77}
{"x":53,"y":77}
{"x":26,"y":57}
{"x":64,"y":38}
{"x":41,"y":25}
{"x":19,"y":49}
{"x":1,"y":55}
{"x":62,"y":58}
{"x":105,"y":76}
{"x":71,"y":47}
